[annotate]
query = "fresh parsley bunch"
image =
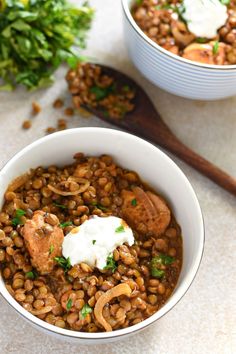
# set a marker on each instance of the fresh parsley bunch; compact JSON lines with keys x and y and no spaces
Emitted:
{"x":36,"y":37}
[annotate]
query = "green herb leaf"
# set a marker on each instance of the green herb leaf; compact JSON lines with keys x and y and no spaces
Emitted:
{"x":51,"y":249}
{"x":37,"y":36}
{"x":99,"y":206}
{"x":86,"y":310}
{"x":126,"y":88}
{"x":111,"y":263}
{"x":215,"y":48}
{"x":60,"y":205}
{"x":65,"y":224}
{"x":178,"y":9}
{"x":106,"y":113}
{"x":134,"y":202}
{"x":99,"y":92}
{"x":120,"y":229}
{"x":225,"y":2}
{"x":166,"y":7}
{"x":93,"y":242}
{"x":102,"y":92}
{"x":157,"y":273}
{"x":31,"y":275}
{"x":157,"y":262}
{"x":162,"y":259}
{"x":17,"y":219}
{"x":201,"y":40}
{"x":63,"y":262}
{"x":69,"y":304}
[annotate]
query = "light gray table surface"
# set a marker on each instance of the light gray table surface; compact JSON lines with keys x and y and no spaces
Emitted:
{"x":204,"y":320}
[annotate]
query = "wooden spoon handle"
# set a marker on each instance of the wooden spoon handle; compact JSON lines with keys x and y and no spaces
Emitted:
{"x":161,"y":135}
{"x":203,"y":166}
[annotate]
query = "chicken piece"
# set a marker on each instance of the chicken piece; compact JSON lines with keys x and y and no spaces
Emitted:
{"x":43,"y":238}
{"x":82,"y":169}
{"x":145,"y":211}
{"x":208,"y":53}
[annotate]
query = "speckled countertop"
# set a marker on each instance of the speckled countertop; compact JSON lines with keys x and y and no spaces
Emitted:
{"x":204,"y":320}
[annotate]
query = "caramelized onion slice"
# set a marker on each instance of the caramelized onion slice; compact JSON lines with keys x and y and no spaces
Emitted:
{"x":41,"y":311}
{"x":118,"y":290}
{"x":84,"y":186}
{"x":181,"y":34}
{"x":18,"y":182}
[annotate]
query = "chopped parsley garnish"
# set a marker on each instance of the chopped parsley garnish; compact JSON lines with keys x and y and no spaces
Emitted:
{"x":163,"y":259}
{"x":157,"y":273}
{"x":166,"y":7}
{"x":201,"y":40}
{"x":17,"y":219}
{"x":157,"y":262}
{"x":120,"y":229}
{"x":69,"y":304}
{"x":60,"y":205}
{"x":93,"y":242}
{"x":111,"y":263}
{"x":106,"y":113}
{"x":86,"y":310}
{"x":31,"y":275}
{"x":102,"y":92}
{"x":215,"y":48}
{"x":134,"y":202}
{"x":225,"y":2}
{"x":99,"y":206}
{"x":179,"y":9}
{"x":139,"y":2}
{"x":63,"y":262}
{"x":65,"y":224}
{"x":51,"y":249}
{"x":126,"y":88}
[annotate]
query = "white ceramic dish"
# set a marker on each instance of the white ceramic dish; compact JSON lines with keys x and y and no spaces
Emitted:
{"x":154,"y":167}
{"x":172,"y":73}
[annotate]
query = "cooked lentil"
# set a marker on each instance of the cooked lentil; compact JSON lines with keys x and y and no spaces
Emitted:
{"x":26,"y":124}
{"x":68,"y":297}
{"x":50,"y":130}
{"x":69,"y":111}
{"x":161,"y":21}
{"x":91,"y":87}
{"x":61,"y":124}
{"x":36,"y":108}
{"x":58,"y":103}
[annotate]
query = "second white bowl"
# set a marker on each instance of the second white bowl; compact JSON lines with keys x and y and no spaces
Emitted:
{"x":173,"y":73}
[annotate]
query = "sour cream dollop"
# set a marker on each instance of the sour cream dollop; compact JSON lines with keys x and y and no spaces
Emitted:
{"x":204,"y":17}
{"x":95,"y":240}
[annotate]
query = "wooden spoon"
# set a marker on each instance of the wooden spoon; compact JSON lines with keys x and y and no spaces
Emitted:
{"x":147,"y":123}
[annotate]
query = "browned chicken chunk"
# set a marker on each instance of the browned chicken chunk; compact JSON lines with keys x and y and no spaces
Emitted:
{"x":145,"y":211}
{"x":43,"y":238}
{"x":204,"y":53}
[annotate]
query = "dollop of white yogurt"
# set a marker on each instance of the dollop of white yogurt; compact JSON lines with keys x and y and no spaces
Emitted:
{"x":204,"y":17}
{"x":95,"y":240}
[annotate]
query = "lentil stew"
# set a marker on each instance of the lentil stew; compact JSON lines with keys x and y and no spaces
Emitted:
{"x":46,"y":204}
{"x":164,"y":22}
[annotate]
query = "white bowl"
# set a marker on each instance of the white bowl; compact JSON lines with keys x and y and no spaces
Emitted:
{"x":154,"y":167}
{"x":173,"y":73}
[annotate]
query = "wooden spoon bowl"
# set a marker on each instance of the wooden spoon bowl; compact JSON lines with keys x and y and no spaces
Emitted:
{"x":146,"y":122}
